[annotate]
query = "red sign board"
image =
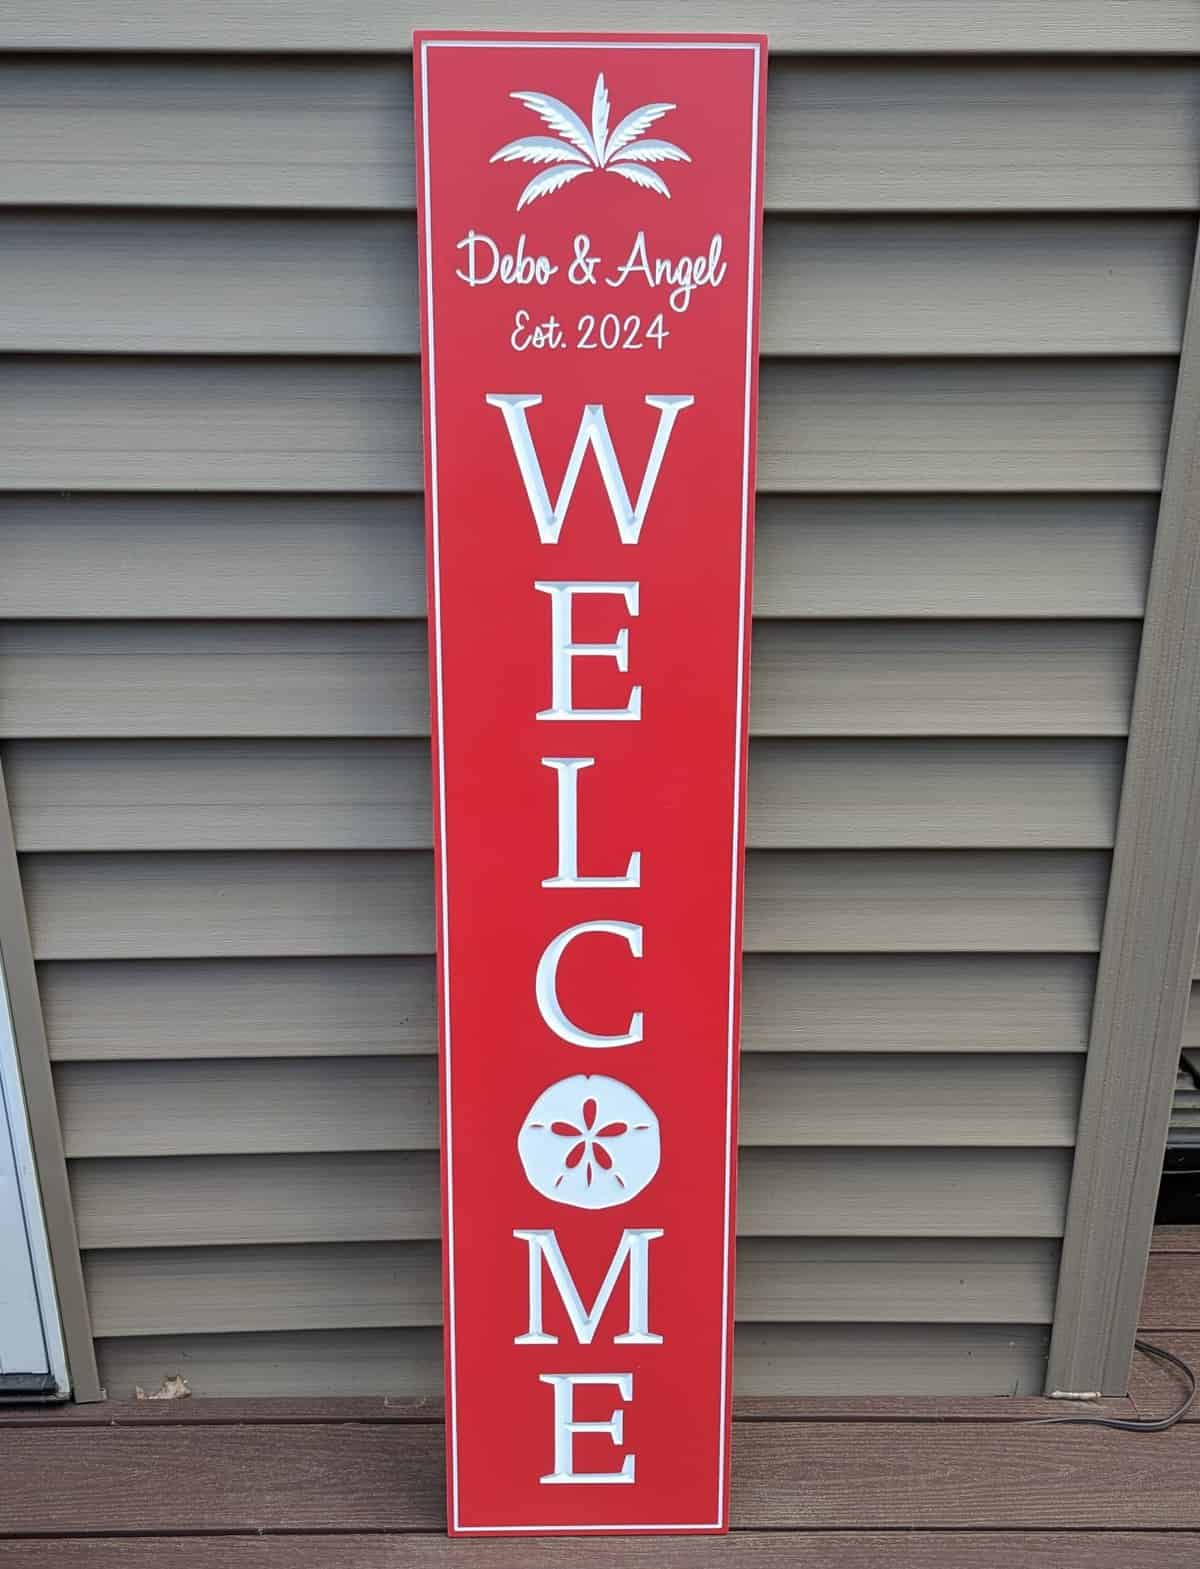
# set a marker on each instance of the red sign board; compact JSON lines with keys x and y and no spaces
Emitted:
{"x":590,"y":216}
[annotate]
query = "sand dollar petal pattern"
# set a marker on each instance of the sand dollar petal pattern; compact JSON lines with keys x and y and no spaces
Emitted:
{"x":589,"y":1141}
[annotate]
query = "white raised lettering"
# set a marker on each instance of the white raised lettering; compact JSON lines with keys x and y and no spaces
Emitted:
{"x":593,"y":432}
{"x":568,"y":769}
{"x":546,"y":984}
{"x":563,"y":650}
{"x":634,"y":1246}
{"x":565,"y":1426}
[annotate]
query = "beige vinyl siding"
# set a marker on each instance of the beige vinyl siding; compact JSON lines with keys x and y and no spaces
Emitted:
{"x":202,"y":1108}
{"x":323,"y":557}
{"x":375,"y":794}
{"x":823,"y":1359}
{"x":307,"y":424}
{"x":214,"y":714}
{"x":850,"y":26}
{"x":130,"y":1010}
{"x":843,"y":135}
{"x":344,"y":679}
{"x":275,"y":903}
{"x":846,"y":286}
{"x":171,"y":1201}
{"x":778,"y":1281}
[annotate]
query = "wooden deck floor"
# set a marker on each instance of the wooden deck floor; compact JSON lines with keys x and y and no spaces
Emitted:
{"x":853,"y":1484}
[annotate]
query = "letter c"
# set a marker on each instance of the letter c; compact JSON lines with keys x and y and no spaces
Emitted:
{"x":546,"y":985}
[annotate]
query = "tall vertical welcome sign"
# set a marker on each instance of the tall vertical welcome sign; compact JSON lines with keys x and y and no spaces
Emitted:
{"x":590,"y":214}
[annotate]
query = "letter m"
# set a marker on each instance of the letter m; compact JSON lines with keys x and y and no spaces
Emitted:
{"x":634,"y":1246}
{"x":593,"y":432}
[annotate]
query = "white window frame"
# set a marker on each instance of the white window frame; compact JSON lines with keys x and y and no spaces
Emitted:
{"x":30,"y":1325}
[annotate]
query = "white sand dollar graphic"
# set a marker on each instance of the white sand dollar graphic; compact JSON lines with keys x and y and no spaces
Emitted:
{"x":589,"y":1141}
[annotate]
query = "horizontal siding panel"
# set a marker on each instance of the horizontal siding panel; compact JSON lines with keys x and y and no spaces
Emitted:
{"x":999,"y":1102}
{"x":843,"y":135}
{"x":945,"y":286}
{"x":219,"y":795}
{"x":166,"y":557}
{"x":271,"y":1107}
{"x":118,"y":906}
{"x":912,"y":1193}
{"x":239,"y":679}
{"x":893,"y":1359}
{"x":222,"y":795}
{"x":933,"y":794}
{"x":387,"y":1197}
{"x":843,"y":678}
{"x":223,"y":1200}
{"x":328,"y":425}
{"x":948,"y":556}
{"x":200,"y":1008}
{"x":159,"y":557}
{"x":397,"y":1362}
{"x":171,"y":1291}
{"x":170,"y":1010}
{"x":916,"y":1002}
{"x":231,"y":679}
{"x":104,"y":424}
{"x":1020,"y":425}
{"x":769,"y":1359}
{"x":157,"y":284}
{"x":210,"y":906}
{"x":851,"y":26}
{"x":865,"y":902}
{"x":381,"y":1103}
{"x":222,"y":1290}
{"x":961,"y":1281}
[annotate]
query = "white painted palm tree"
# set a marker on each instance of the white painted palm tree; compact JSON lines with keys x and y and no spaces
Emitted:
{"x":576,"y":150}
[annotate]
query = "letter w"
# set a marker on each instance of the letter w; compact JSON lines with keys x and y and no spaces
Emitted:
{"x":634,"y":1246}
{"x":593,"y":432}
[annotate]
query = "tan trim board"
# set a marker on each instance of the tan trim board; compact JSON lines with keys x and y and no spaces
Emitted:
{"x":1148,"y":944}
{"x":34,"y":1061}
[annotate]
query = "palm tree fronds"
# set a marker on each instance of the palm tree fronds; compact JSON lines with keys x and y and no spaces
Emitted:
{"x":576,"y":150}
{"x":551,"y":180}
{"x":654,"y":152}
{"x":640,"y":176}
{"x":538,"y":149}
{"x":634,"y":124}
{"x":600,"y":119}
{"x":561,"y":119}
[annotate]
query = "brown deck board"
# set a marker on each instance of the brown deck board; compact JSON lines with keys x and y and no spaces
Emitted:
{"x":1171,"y":1298}
{"x":1154,"y":1389}
{"x":812,"y":1476}
{"x":763,"y":1408}
{"x":743,"y":1550}
{"x":1176,"y":1239}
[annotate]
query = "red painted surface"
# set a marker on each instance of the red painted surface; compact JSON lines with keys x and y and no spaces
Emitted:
{"x":668,"y":785}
